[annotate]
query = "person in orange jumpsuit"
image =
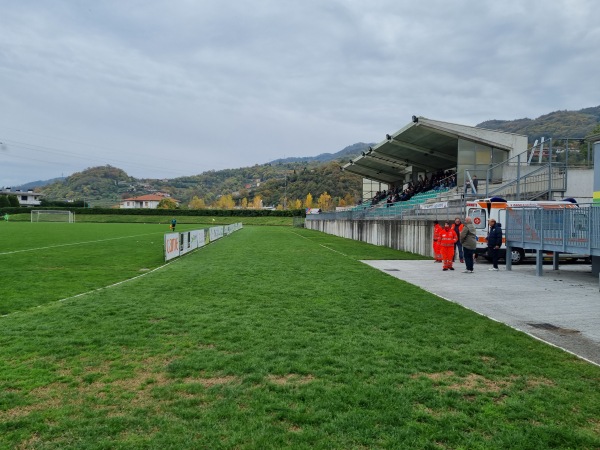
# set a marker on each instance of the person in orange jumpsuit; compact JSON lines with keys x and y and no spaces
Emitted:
{"x":437,"y":229}
{"x":447,"y":240}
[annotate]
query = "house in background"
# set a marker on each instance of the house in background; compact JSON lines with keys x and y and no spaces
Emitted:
{"x":149,"y":201}
{"x":26,"y":198}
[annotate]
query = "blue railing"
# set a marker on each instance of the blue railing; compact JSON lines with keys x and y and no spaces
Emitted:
{"x":565,"y":230}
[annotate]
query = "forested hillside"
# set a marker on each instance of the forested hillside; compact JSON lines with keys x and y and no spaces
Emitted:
{"x":284,"y":182}
{"x":276,"y":184}
{"x":557,"y":124}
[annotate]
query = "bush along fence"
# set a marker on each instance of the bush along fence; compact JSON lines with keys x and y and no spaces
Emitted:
{"x":177,"y":244}
{"x":170,"y":212}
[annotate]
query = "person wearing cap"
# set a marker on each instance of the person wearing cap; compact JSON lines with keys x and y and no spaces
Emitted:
{"x":494,"y":242}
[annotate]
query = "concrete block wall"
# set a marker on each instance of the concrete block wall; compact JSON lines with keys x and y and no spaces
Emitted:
{"x":415,"y":236}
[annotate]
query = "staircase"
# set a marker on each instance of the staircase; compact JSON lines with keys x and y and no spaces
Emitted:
{"x":542,"y":182}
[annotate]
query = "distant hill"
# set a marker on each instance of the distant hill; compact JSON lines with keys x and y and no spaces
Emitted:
{"x":557,"y":124}
{"x":34,"y":184}
{"x":276,"y":183}
{"x":346,"y":153}
{"x":286,"y":178}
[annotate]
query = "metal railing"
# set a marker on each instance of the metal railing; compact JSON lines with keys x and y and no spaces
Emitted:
{"x":564,"y":230}
{"x":528,"y":176}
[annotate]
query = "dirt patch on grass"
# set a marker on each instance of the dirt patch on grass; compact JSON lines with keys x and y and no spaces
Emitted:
{"x":474,"y":382}
{"x":94,"y":386}
{"x":290,"y":378}
{"x":478,"y":383}
{"x":437,"y":376}
{"x":212,"y":381}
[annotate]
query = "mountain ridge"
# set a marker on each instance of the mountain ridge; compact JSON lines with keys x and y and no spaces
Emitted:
{"x":285,"y":180}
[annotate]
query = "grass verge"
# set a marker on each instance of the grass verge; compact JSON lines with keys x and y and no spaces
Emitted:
{"x":280,"y":338}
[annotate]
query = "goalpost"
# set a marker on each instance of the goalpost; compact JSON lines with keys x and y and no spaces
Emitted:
{"x":47,"y":215}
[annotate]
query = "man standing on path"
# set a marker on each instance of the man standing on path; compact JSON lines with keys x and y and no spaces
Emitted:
{"x":458,"y":227}
{"x":468,"y":239}
{"x":447,"y":240}
{"x":494,"y":242}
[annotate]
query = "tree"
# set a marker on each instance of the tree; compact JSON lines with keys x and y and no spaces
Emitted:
{"x":324,"y":203}
{"x":197,"y":203}
{"x":225,"y":202}
{"x":13,"y":201}
{"x":296,"y":204}
{"x":308,"y":202}
{"x":244,"y":203}
{"x":167,"y":203}
{"x":4,"y":201}
{"x":257,"y":202}
{"x":349,"y":200}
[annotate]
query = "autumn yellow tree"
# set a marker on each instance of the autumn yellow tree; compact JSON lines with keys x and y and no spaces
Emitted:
{"x":197,"y":203}
{"x":324,"y":203}
{"x":349,"y":200}
{"x":167,"y":203}
{"x":225,"y":202}
{"x":296,"y":204}
{"x":244,"y":203}
{"x":308,"y":202}
{"x":257,"y":202}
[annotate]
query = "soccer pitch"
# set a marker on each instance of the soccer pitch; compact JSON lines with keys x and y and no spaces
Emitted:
{"x":273,"y":337}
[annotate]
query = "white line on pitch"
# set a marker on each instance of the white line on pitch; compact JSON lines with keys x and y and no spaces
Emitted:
{"x":76,"y":243}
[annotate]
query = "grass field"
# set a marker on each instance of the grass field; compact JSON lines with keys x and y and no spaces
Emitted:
{"x":273,"y":337}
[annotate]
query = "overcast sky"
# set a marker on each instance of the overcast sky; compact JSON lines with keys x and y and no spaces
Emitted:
{"x":164,"y":89}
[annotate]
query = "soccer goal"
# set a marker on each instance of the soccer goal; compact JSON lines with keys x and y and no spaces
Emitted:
{"x":47,"y":215}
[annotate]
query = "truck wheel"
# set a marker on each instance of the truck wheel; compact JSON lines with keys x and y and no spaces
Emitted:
{"x":517,"y":255}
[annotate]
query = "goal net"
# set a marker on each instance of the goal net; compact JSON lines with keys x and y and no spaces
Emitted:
{"x":47,"y":215}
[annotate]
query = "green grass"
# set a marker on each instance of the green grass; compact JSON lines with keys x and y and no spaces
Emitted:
{"x":280,"y":338}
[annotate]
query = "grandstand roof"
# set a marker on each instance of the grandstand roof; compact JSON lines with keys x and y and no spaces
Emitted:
{"x":426,"y":144}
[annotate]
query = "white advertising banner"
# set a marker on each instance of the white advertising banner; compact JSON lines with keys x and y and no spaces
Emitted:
{"x":171,"y":246}
{"x":215,"y":233}
{"x":177,"y":244}
{"x":434,"y":205}
{"x":200,"y":238}
{"x":185,"y":242}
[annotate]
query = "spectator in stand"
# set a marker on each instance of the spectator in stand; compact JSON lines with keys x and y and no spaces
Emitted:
{"x":447,"y":240}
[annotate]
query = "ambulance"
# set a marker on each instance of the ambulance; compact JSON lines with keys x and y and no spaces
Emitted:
{"x":480,"y":211}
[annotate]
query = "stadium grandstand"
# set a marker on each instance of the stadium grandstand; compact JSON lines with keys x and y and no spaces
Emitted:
{"x":429,"y":170}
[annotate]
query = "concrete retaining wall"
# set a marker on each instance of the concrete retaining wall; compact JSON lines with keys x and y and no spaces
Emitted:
{"x":415,"y":236}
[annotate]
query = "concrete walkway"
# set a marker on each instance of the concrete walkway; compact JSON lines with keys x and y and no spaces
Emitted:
{"x":561,"y":308}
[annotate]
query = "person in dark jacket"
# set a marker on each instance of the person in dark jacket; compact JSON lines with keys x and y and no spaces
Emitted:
{"x":468,"y":238}
{"x":494,"y":242}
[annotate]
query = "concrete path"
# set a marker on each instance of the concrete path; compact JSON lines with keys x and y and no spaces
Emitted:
{"x":561,"y":308}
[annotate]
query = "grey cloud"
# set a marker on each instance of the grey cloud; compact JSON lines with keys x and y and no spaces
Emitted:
{"x":209,"y":85}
